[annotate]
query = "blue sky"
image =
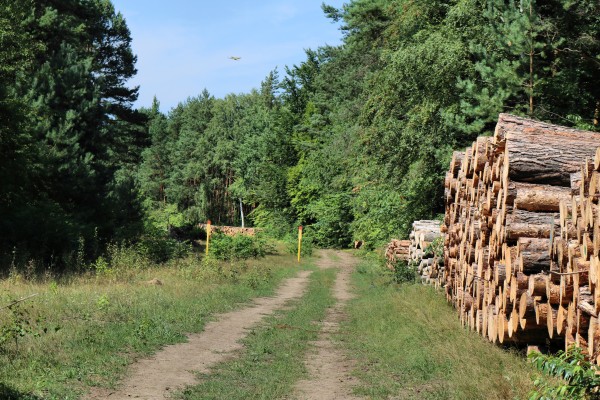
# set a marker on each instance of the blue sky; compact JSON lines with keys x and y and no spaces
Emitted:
{"x":183,"y":46}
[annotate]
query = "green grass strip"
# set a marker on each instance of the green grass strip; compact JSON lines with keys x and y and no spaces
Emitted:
{"x":272,"y":361}
{"x":105,"y":326}
{"x":410,"y":345}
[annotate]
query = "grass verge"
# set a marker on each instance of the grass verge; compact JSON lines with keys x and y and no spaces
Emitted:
{"x":86,"y":331}
{"x":271,"y":362}
{"x":410,"y":345}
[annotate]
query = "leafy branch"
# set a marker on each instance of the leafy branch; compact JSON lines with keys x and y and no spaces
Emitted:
{"x":578,"y":378}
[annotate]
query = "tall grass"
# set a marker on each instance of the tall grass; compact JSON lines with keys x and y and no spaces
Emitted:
{"x":410,"y":345}
{"x":83,"y":330}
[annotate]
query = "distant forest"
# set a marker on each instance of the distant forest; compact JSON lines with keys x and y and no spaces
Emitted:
{"x":352,"y":143}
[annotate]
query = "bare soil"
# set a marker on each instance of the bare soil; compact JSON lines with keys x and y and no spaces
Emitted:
{"x":174,"y":366}
{"x":327,"y":365}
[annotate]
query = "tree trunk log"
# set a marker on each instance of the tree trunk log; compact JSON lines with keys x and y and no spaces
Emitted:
{"x":543,"y":153}
{"x":536,"y":197}
{"x":534,"y":255}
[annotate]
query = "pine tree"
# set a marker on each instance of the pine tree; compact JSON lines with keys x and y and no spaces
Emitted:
{"x":82,"y":120}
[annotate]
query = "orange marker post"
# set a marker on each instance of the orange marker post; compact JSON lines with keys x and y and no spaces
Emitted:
{"x":208,"y":229}
{"x":299,"y":241}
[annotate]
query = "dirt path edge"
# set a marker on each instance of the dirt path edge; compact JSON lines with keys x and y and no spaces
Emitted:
{"x":174,"y":366}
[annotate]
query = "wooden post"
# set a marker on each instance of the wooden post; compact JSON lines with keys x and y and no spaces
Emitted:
{"x":208,"y":229}
{"x":299,"y":241}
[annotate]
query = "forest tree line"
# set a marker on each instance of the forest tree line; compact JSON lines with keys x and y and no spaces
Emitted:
{"x":352,"y":143}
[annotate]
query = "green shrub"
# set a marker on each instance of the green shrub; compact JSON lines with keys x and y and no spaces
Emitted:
{"x":291,"y":244}
{"x":122,"y":256}
{"x":17,"y":321}
{"x":376,"y":209}
{"x":119,"y":262}
{"x":159,"y":249}
{"x":436,"y":248}
{"x":257,"y":277}
{"x":404,"y":272}
{"x":332,"y":214}
{"x":274,"y":223}
{"x":577,"y":377}
{"x":239,"y":247}
{"x":212,"y":270}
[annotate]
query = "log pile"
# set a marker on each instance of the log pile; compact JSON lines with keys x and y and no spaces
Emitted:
{"x":229,"y":230}
{"x":522,"y":236}
{"x":573,"y":284}
{"x":420,"y":255}
{"x":397,"y":250}
{"x":417,"y":251}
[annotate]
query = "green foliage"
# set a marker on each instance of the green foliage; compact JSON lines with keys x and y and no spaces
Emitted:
{"x":239,"y":247}
{"x":273,"y":222}
{"x":17,"y":322}
{"x":291,"y":244}
{"x":159,"y":248}
{"x":17,"y":325}
{"x":375,"y":208}
{"x":257,"y":277}
{"x":333,"y":217}
{"x":577,"y":377}
{"x":352,"y":143}
{"x":122,"y":256}
{"x":71,"y":127}
{"x":122,"y":261}
{"x":436,"y":248}
{"x":103,"y":302}
{"x":404,"y":272}
{"x":253,"y":275}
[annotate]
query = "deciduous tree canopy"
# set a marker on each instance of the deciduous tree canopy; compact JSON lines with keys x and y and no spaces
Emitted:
{"x":352,"y":142}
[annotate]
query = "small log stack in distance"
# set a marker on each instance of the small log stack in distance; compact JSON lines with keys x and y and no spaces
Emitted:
{"x":522,"y":236}
{"x":397,"y":250}
{"x":420,"y":255}
{"x":230,"y":230}
{"x":417,"y":252}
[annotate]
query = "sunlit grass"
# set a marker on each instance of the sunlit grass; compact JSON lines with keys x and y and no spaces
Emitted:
{"x":410,"y":345}
{"x":272,"y":359}
{"x":96,"y":326}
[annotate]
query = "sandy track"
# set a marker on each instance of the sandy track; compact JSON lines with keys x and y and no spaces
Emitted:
{"x":328,"y":367}
{"x":173,"y":367}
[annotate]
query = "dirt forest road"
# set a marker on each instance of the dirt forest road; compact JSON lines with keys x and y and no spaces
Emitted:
{"x":174,"y":366}
{"x":329,"y":369}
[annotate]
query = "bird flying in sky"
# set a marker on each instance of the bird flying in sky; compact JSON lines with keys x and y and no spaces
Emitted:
{"x":235,"y":58}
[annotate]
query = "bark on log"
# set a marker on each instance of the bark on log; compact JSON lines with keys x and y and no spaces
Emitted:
{"x":536,"y":197}
{"x":534,"y":255}
{"x":544,"y":153}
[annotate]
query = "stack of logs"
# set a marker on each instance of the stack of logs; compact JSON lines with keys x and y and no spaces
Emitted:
{"x":522,"y":236}
{"x":229,"y":230}
{"x":397,"y":250}
{"x":420,"y":255}
{"x":416,"y":251}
